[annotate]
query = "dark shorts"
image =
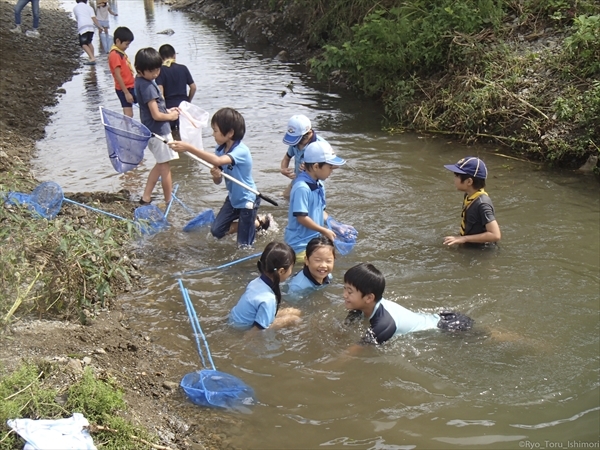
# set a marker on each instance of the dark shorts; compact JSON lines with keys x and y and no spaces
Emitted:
{"x":124,"y":102}
{"x":86,"y":38}
{"x":454,"y":321}
{"x":245,"y":217}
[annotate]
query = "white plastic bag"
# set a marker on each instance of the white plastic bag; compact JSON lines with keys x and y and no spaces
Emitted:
{"x":191,"y":122}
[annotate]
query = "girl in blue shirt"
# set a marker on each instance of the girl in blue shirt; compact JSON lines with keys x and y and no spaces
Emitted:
{"x":259,"y":305}
{"x":316,"y":273}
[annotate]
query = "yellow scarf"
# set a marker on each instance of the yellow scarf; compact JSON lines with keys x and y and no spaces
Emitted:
{"x":467,"y":201}
{"x":168,"y":62}
{"x":117,"y":49}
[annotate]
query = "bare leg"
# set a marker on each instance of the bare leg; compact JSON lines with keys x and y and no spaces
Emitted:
{"x":128,"y":111}
{"x":89,"y":50}
{"x":152,"y":180}
{"x":166,"y":180}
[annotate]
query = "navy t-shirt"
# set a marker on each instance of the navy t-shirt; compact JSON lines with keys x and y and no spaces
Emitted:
{"x":174,"y":79}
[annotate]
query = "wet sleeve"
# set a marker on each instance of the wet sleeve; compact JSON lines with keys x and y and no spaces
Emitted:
{"x":265,"y":314}
{"x":486,"y":212}
{"x":383,"y":326}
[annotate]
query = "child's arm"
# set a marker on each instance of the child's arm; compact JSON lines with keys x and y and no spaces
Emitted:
{"x":97,"y":23}
{"x":215,"y":160}
{"x":161,"y":88}
{"x":112,"y":12}
{"x":307,"y":222}
{"x":492,"y":234}
{"x":285,"y":167}
{"x":192,"y":92}
{"x":160,"y":116}
{"x":119,"y":80}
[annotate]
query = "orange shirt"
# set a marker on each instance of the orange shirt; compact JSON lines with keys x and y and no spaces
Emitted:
{"x":120,"y":59}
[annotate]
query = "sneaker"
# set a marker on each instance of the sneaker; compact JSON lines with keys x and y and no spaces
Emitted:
{"x":16,"y":29}
{"x":32,"y":33}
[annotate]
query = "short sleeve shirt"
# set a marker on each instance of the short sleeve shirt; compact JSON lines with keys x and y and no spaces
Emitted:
{"x":240,"y":169}
{"x":118,"y":59}
{"x":175,"y":79}
{"x":479,"y":214}
{"x":146,"y":91}
{"x":83,"y":15}
{"x":390,"y":319}
{"x":294,"y":152}
{"x":302,"y":284}
{"x":257,"y":304}
{"x":305,"y":200}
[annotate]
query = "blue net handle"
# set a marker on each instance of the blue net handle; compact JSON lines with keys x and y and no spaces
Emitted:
{"x":195,"y":325}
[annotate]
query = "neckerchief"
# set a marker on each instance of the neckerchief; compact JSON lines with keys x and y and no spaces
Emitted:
{"x":468,"y":201}
{"x":312,"y":184}
{"x":168,"y":62}
{"x":118,"y":50}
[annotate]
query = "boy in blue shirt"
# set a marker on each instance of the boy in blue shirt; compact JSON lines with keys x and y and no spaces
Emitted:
{"x":233,"y":158}
{"x":478,"y":227}
{"x":306,"y":214}
{"x":299,"y":134}
{"x":363,"y":296}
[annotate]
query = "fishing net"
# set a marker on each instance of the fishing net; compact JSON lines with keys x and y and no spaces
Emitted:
{"x":45,"y":200}
{"x":150,"y":219}
{"x":210,"y":387}
{"x":204,"y":218}
{"x":345,"y":235}
{"x":126,"y":140}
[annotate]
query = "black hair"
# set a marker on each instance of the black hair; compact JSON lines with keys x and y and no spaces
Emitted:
{"x":228,"y":119}
{"x":315,"y":243}
{"x":367,"y":279}
{"x":147,"y":59}
{"x":276,"y":255}
{"x":310,"y":165}
{"x":81,"y":1}
{"x":123,"y":34}
{"x":478,"y":183}
{"x":166,"y":51}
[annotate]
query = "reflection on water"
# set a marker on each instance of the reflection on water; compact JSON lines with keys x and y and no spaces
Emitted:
{"x":527,"y":372}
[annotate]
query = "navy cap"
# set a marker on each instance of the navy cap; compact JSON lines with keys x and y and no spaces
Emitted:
{"x":469,"y":165}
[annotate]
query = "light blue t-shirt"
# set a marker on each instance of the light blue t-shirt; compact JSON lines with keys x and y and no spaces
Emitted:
{"x":390,"y":319}
{"x":294,"y":152}
{"x":302,"y":284}
{"x":257,"y":304}
{"x":240,"y":169}
{"x":307,"y":198}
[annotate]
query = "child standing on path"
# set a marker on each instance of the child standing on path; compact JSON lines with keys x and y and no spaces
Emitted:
{"x":121,"y":70}
{"x":35,"y":11}
{"x":478,"y":226}
{"x":173,"y":82}
{"x":306,"y":214}
{"x":299,"y":134}
{"x":233,"y":158}
{"x":155,"y":116}
{"x":363,"y":296}
{"x":259,"y":305}
{"x":86,"y":23}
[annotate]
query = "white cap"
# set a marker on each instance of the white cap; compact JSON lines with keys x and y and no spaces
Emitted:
{"x":297,"y":127}
{"x":321,"y":152}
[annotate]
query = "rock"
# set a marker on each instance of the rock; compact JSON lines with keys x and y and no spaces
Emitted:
{"x":168,"y":32}
{"x":74,"y":367}
{"x":170,"y":385}
{"x":589,"y":165}
{"x":87,"y":360}
{"x":281,"y":56}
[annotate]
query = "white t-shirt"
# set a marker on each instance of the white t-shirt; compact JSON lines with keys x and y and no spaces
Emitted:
{"x":83,"y":14}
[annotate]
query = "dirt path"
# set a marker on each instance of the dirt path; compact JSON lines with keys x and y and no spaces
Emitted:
{"x":31,"y":75}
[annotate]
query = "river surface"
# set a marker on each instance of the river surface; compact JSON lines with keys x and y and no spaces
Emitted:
{"x":527,"y":376}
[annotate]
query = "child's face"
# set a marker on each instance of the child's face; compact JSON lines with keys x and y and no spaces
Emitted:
{"x":462,"y":186}
{"x":122,"y":45}
{"x":150,"y":74}
{"x":354,"y":299}
{"x":221,"y":138}
{"x":322,"y":173}
{"x":320,"y":263}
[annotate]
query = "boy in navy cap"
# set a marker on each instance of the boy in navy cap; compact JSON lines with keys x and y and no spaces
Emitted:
{"x":478,"y":225}
{"x":306,"y":214}
{"x":298,"y":135}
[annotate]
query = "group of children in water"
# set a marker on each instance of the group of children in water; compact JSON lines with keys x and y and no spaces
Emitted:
{"x":307,"y":237}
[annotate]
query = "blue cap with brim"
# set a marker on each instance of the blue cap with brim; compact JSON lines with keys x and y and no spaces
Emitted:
{"x":469,"y":165}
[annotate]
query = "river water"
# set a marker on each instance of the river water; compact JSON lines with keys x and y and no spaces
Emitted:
{"x":525,"y":377}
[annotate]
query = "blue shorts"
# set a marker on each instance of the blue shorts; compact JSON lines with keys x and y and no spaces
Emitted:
{"x":124,"y":102}
{"x":246,"y":217}
{"x":86,"y":38}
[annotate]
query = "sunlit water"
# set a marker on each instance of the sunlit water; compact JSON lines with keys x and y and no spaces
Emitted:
{"x":527,"y":376}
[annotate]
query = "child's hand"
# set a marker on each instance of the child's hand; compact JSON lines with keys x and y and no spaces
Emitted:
{"x":173,"y":113}
{"x":180,"y":146}
{"x":328,"y":234}
{"x":288,"y":173}
{"x":129,"y":97}
{"x":453,"y":240}
{"x":216,"y":172}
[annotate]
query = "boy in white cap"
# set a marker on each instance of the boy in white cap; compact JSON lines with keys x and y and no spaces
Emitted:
{"x":306,"y":214}
{"x":299,"y":134}
{"x":478,"y":226}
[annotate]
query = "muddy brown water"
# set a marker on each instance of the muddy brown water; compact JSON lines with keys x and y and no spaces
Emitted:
{"x":526,"y":377}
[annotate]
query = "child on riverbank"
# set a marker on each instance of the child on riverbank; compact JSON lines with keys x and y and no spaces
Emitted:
{"x":259,"y":305}
{"x":306,"y":214}
{"x":121,"y":69}
{"x":154,"y":115}
{"x":173,"y":82}
{"x":299,"y":134}
{"x":86,"y":24}
{"x":363,"y":296}
{"x":232,"y":157}
{"x":478,"y":226}
{"x":316,"y":273}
